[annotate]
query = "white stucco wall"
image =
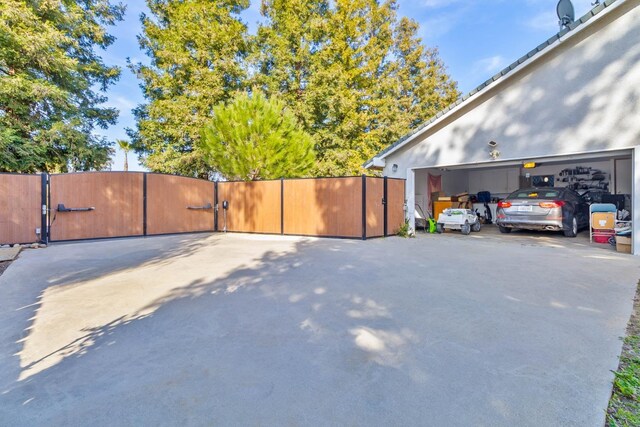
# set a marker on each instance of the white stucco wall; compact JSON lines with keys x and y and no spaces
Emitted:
{"x":581,"y":96}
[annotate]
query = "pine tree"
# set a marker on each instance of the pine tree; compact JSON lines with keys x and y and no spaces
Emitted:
{"x":256,"y":138}
{"x":48,"y":70}
{"x":197,"y":50}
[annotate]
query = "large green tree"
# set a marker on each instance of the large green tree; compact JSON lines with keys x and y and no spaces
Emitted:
{"x":197,"y":50}
{"x":357,"y":76}
{"x":284,"y":59}
{"x":52,"y":84}
{"x":253,"y":137}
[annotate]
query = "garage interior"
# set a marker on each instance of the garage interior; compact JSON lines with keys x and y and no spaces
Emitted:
{"x":606,"y":177}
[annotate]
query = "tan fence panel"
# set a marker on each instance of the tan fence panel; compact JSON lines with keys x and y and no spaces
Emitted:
{"x":375,"y":207}
{"x":323,"y":207}
{"x":20,"y":208}
{"x":177,"y":204}
{"x":254,"y":207}
{"x":116,"y":196}
{"x":395,"y":207}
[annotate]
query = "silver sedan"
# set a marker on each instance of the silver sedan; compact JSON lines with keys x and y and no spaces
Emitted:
{"x":553,"y":209}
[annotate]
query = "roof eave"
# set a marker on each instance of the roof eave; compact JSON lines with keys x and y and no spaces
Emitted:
{"x":516,"y":67}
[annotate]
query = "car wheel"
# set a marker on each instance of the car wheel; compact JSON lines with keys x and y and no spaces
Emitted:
{"x":476,"y":226}
{"x":465,"y":228}
{"x":572,"y":229}
{"x":440,"y":228}
{"x":505,"y":230}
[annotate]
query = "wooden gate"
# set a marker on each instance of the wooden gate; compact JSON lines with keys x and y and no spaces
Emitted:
{"x":329,"y":207}
{"x":375,"y":207}
{"x":91,"y":205}
{"x":21,"y":200}
{"x":350,"y":207}
{"x":254,"y":207}
{"x":177,"y":204}
{"x":395,"y":204}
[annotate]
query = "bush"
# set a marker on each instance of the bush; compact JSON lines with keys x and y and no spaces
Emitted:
{"x":406,"y":231}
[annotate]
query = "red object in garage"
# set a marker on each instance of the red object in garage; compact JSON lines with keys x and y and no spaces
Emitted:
{"x":603,"y":236}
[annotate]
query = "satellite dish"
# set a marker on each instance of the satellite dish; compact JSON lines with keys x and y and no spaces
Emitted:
{"x":566,"y":13}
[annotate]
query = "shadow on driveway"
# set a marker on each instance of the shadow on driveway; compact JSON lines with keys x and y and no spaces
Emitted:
{"x":261,"y":330}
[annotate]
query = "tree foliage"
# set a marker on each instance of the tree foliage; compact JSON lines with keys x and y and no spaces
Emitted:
{"x":356,"y":76}
{"x":52,"y":83}
{"x":197,"y":50}
{"x":253,"y":137}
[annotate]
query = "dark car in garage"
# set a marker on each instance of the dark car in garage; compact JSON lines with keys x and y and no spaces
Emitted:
{"x":553,"y":209}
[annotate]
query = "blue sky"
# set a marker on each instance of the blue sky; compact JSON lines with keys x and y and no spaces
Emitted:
{"x":476,"y":38}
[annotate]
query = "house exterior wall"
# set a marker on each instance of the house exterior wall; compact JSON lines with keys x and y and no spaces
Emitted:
{"x":581,"y":96}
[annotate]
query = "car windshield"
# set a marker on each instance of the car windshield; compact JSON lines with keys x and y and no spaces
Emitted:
{"x":535,"y":194}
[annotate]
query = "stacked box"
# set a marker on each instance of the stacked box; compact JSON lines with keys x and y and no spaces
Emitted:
{"x":623,"y":244}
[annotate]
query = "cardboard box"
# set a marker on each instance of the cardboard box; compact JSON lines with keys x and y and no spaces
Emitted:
{"x":444,"y":199}
{"x":623,"y":244}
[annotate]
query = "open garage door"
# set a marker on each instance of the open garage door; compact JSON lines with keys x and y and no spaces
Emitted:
{"x":604,"y":177}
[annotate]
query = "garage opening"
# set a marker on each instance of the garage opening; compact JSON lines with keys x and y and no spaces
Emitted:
{"x":596,"y":178}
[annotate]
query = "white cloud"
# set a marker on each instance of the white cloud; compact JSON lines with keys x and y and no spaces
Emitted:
{"x":489,"y":66}
{"x":545,"y":21}
{"x":121,"y":103}
{"x":432,"y":28}
{"x":435,"y":3}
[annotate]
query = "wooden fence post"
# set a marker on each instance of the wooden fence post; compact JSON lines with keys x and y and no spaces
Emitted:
{"x":144,"y":204}
{"x":385,"y":198}
{"x":364,"y":207}
{"x":215,"y":206}
{"x":44,"y":226}
{"x":282,"y":206}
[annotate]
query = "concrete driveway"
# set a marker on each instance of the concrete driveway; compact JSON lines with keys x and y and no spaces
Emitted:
{"x":259,"y":330}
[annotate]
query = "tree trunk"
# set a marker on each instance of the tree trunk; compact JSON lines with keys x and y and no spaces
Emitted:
{"x":126,"y":162}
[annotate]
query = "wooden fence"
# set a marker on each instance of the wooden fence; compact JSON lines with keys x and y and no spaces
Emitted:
{"x":96,"y":205}
{"x":21,"y":211}
{"x":325,"y":207}
{"x":93,"y":205}
{"x":253,"y":206}
{"x":329,"y":207}
{"x":176,"y":204}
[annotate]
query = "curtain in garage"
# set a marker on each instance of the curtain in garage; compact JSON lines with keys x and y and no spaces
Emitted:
{"x":434,"y":184}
